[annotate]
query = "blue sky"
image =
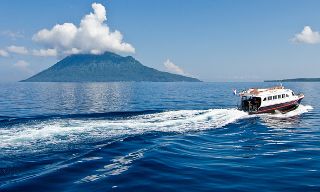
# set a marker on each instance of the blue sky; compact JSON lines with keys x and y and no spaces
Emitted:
{"x":214,"y":40}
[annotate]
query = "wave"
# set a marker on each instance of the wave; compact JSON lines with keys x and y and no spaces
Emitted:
{"x":117,"y":166}
{"x":81,"y":129}
{"x":7,"y":120}
{"x":39,"y":134}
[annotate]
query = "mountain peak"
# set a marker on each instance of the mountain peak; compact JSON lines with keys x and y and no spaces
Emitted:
{"x":105,"y":54}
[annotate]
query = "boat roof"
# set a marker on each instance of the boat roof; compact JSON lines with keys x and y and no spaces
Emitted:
{"x":257,"y":92}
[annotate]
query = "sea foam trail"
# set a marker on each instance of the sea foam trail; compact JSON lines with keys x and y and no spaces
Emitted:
{"x":43,"y":133}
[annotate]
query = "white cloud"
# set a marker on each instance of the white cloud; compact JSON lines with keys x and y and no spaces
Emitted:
{"x":23,"y":66}
{"x":92,"y":36}
{"x":3,"y":53}
{"x":172,"y":68}
{"x":17,"y":49}
{"x":45,"y":52}
{"x":307,"y":36}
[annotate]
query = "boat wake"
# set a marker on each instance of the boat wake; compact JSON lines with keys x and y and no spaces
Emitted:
{"x":38,"y":135}
{"x":44,"y":133}
{"x":285,"y":120}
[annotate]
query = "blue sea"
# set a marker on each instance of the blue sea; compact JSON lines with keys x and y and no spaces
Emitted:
{"x":154,"y":137}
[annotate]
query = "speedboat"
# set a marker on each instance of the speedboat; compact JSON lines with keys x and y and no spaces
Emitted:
{"x":269,"y":100}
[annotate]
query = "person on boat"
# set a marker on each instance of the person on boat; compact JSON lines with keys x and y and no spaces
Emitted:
{"x":235,"y":91}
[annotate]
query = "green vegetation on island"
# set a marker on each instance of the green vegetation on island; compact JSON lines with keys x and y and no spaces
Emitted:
{"x":107,"y":67}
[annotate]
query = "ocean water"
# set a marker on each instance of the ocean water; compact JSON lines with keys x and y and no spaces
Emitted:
{"x":154,"y":137}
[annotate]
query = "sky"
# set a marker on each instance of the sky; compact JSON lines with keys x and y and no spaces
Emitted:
{"x":213,"y":40}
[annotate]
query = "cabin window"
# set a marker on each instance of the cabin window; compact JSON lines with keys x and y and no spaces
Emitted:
{"x":275,"y":97}
{"x":292,"y":93}
{"x":283,"y":95}
{"x":265,"y":99}
{"x":279,"y":96}
{"x":287,"y":95}
{"x":270,"y":98}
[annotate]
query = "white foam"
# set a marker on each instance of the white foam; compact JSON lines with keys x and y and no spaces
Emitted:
{"x":300,"y":110}
{"x":117,"y":166}
{"x":72,"y":130}
{"x":286,"y":120}
{"x":38,"y":135}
